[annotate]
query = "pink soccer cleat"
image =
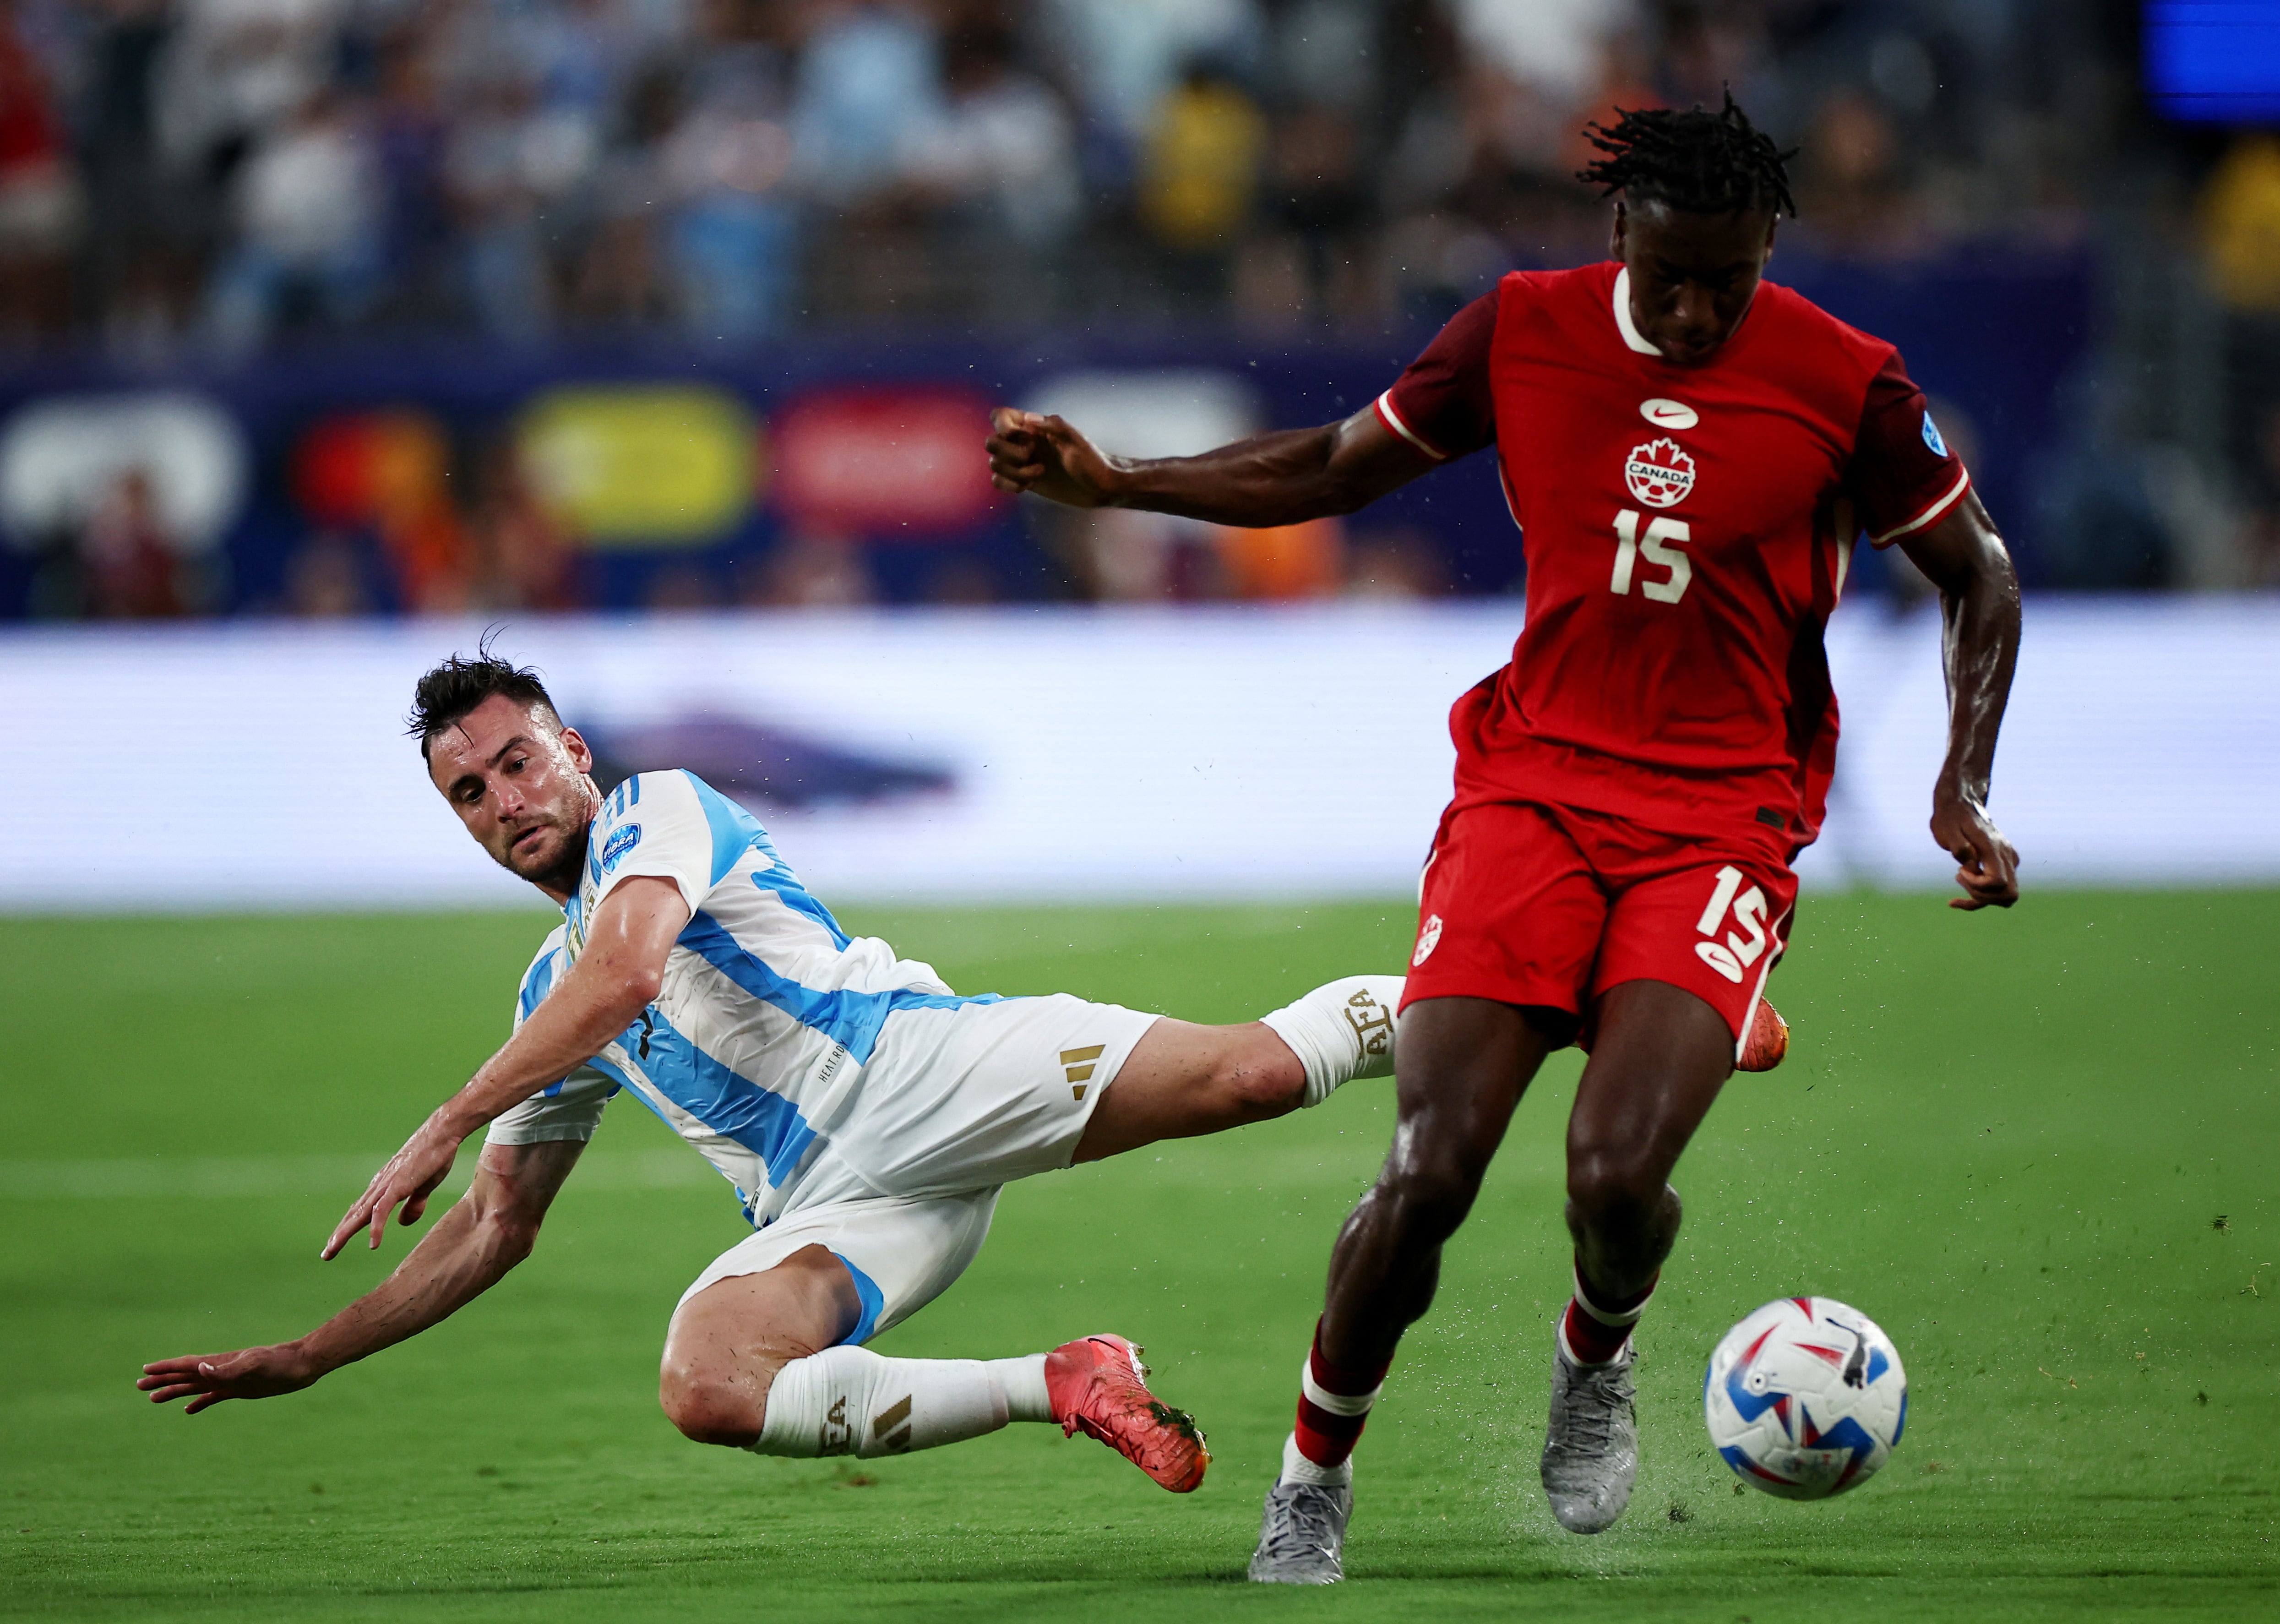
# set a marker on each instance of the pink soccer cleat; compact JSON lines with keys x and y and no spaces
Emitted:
{"x":1096,"y":1385}
{"x":1766,"y":1042}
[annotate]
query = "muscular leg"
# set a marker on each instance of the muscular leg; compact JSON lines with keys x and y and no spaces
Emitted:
{"x":727,"y":1342}
{"x":1182,"y":1080}
{"x":1465,"y":1063}
{"x":756,"y":1361}
{"x":1661,"y":1058}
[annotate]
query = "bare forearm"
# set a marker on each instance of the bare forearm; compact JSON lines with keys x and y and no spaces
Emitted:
{"x":1964,"y":557}
{"x":1979,"y":648}
{"x":1981,"y":652}
{"x":486,"y":1232}
{"x":564,"y":1033}
{"x":1275,"y":479}
{"x":464,"y":1256}
{"x":613,"y":981}
{"x":615,"y":978}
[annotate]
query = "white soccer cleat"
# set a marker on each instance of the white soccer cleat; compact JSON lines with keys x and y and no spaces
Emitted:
{"x":1302,"y":1536}
{"x":1590,"y":1447}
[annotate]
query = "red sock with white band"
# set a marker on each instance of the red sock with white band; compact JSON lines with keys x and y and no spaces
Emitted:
{"x":1594,"y":1330}
{"x":1334,"y":1404}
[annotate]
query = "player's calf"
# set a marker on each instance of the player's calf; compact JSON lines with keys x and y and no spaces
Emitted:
{"x":1182,"y":1080}
{"x":757,"y":1361}
{"x":1625,"y":1218}
{"x":850,"y":1401}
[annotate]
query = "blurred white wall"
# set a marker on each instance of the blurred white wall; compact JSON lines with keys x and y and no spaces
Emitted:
{"x":1089,"y":753}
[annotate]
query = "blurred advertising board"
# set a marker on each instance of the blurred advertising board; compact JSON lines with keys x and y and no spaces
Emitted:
{"x":423,"y":476}
{"x":1057,"y":753}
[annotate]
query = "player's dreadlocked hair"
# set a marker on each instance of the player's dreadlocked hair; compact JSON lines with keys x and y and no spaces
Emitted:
{"x":447,"y":693}
{"x":1703,"y":162}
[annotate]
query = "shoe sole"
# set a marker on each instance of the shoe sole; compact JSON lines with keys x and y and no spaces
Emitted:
{"x":1259,"y":1578}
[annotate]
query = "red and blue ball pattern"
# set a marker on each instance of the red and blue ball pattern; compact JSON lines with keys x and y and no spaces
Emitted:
{"x":1805,"y":1398}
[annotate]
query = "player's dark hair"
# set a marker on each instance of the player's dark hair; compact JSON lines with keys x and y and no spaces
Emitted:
{"x":448,"y":691}
{"x":1702,"y":162}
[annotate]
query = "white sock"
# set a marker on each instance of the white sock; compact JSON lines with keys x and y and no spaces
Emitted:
{"x":1297,"y":1469}
{"x":850,"y":1400}
{"x":1341,"y":1031}
{"x":1022,"y":1381}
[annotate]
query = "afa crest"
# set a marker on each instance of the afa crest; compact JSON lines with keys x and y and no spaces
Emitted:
{"x":623,"y":839}
{"x":1659,"y":473}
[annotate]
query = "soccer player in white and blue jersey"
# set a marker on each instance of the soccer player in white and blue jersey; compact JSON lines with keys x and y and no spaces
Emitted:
{"x":866,"y":1115}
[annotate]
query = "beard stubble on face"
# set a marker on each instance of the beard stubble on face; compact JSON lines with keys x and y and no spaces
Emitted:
{"x":556,"y":855}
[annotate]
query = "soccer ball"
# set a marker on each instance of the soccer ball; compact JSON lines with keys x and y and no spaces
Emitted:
{"x":1805,"y":1398}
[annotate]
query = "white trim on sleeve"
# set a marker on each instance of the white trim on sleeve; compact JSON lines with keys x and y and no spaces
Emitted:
{"x":1393,"y":421}
{"x":1962,"y":483}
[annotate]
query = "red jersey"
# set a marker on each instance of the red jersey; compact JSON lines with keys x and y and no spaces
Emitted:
{"x":1687,"y":530}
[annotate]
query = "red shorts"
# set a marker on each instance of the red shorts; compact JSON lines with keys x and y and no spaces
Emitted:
{"x":1550,"y":906}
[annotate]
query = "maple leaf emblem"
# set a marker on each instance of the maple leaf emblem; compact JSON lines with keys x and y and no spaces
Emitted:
{"x":1659,"y":473}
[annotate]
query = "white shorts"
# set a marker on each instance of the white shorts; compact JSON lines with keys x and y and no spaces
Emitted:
{"x":955,"y":1102}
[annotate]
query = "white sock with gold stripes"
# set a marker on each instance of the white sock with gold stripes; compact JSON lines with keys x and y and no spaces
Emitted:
{"x":850,"y":1400}
{"x":1341,"y":1031}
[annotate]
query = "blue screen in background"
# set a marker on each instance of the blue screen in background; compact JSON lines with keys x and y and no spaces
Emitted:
{"x":2216,"y":61}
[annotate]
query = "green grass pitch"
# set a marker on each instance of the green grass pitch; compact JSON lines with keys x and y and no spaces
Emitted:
{"x":2042,"y":1148}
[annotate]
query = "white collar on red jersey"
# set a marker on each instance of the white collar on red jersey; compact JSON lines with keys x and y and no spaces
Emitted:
{"x":1623,"y":314}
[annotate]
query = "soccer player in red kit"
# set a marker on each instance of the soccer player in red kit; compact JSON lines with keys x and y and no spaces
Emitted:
{"x":1689,"y":454}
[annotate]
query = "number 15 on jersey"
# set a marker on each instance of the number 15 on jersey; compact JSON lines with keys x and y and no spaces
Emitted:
{"x":1631,"y":546}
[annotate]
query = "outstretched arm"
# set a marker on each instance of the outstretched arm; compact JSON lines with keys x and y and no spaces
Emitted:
{"x":613,"y":980}
{"x":489,"y":1230}
{"x":1277,"y":479}
{"x":1979,"y":612}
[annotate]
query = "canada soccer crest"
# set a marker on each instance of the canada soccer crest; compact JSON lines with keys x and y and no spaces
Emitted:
{"x":1659,"y":473}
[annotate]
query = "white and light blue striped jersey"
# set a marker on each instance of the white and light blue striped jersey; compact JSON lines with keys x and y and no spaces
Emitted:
{"x":756,"y":1048}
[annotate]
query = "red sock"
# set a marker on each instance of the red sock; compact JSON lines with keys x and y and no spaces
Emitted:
{"x":1595,"y":1328}
{"x":1333,"y":1406}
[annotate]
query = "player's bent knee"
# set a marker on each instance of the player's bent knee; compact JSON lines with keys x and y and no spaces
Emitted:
{"x":1613,"y":1188}
{"x":712,"y":1407}
{"x":1261,"y":1078}
{"x":1430,"y":1194}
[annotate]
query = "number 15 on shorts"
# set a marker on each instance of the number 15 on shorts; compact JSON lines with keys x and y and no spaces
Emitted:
{"x":1743,"y":948}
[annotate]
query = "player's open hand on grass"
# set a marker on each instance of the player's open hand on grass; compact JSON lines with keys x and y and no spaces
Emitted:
{"x":1044,"y":455}
{"x":1987,"y":864}
{"x":410,"y":1177}
{"x":207,"y":1379}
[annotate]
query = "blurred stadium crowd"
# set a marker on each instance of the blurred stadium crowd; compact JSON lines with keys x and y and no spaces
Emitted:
{"x":230,"y":168}
{"x":200,"y":184}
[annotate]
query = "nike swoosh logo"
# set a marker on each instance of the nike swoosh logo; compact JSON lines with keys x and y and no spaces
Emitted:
{"x":1669,"y":414}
